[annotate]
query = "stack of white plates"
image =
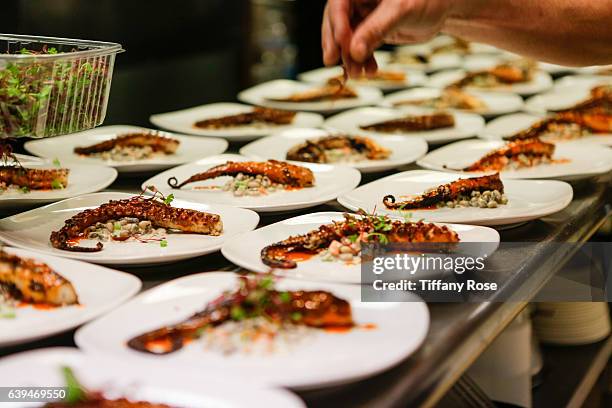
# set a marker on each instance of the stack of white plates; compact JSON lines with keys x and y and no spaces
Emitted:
{"x":571,"y":323}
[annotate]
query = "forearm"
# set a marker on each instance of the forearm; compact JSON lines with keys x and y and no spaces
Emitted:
{"x":568,"y":32}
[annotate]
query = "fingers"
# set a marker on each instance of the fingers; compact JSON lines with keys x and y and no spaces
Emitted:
{"x":370,"y":66}
{"x":331,"y":51}
{"x":339,"y":18}
{"x":372,"y":31}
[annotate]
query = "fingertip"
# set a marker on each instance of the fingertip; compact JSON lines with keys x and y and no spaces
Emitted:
{"x":359,"y":51}
{"x":371,"y":66}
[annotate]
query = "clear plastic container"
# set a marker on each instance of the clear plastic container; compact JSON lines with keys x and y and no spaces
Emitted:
{"x":53,"y":86}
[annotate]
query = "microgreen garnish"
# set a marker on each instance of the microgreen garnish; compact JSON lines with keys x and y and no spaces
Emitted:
{"x":56,"y":162}
{"x":169,"y":199}
{"x":296,"y":316}
{"x":163,"y":243}
{"x":24,"y":189}
{"x":75,"y":392}
{"x":382,"y":238}
{"x":353,"y":237}
{"x":31,"y":87}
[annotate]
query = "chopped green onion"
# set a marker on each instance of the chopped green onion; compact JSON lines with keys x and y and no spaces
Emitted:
{"x":296,"y":316}
{"x":266,"y":282}
{"x":25,"y":189}
{"x":57,"y":185}
{"x":7,"y":312}
{"x":237,"y":313}
{"x":285,"y":297}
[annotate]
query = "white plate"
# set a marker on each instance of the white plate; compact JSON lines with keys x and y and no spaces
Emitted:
{"x":150,"y":382}
{"x":436,"y":62}
{"x":585,"y":160}
{"x":99,"y":289}
{"x":527,"y":199}
{"x":509,"y":125}
{"x":319,"y":359}
{"x":315,"y":269}
{"x":584,"y":81}
{"x":31,"y":230}
{"x":478,"y":62}
{"x":466,"y":124}
{"x":82,"y":179}
{"x":322,"y":75}
{"x":540,"y":83}
{"x":281,"y":88}
{"x":557,"y":99}
{"x":62,"y":148}
{"x":183,"y":121}
{"x":497,"y":103}
{"x":330,"y":182}
{"x":403,"y":149}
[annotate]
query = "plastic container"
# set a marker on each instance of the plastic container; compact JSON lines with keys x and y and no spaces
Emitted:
{"x":53,"y":86}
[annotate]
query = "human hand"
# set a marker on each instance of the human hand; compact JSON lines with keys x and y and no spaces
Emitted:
{"x":353,"y":29}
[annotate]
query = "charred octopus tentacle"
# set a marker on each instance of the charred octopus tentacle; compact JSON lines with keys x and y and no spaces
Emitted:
{"x":150,"y":209}
{"x":277,"y":171}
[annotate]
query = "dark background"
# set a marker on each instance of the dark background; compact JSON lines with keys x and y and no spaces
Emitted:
{"x":178,"y":53}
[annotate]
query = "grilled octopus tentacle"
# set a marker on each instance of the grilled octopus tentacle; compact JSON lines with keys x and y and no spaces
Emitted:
{"x":317,"y":309}
{"x":34,"y":179}
{"x":34,"y":281}
{"x":314,"y":151}
{"x":257,"y":115}
{"x":499,"y":158}
{"x":275,"y":255}
{"x":413,"y":123}
{"x":447,"y":192}
{"x":151,"y":209}
{"x":277,"y":171}
{"x":140,"y":139}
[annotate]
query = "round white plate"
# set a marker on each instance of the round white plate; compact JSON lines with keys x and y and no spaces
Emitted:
{"x":318,"y":359}
{"x":82,"y":179}
{"x":31,"y":230}
{"x":556,"y":69}
{"x":99,"y":289}
{"x":584,"y":81}
{"x":436,"y":62}
{"x":165,"y":383}
{"x":466,"y":124}
{"x":509,"y":125}
{"x":403,"y":149}
{"x":540,"y":83}
{"x":282,"y":88}
{"x":315,"y":269}
{"x":527,"y":199}
{"x":183,"y":121}
{"x":62,"y":148}
{"x":477,"y":62}
{"x":557,"y":99}
{"x":585,"y":160}
{"x":330,"y":182}
{"x":322,"y":75}
{"x":497,"y":103}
